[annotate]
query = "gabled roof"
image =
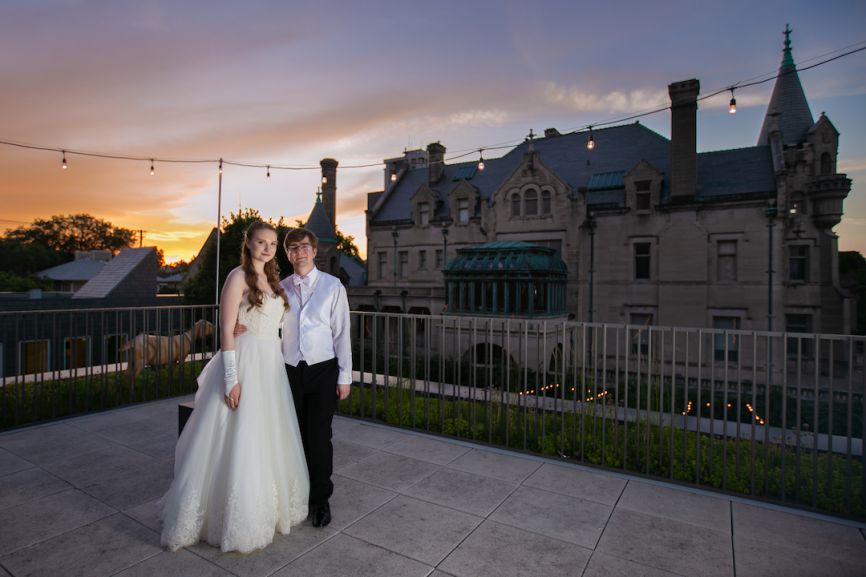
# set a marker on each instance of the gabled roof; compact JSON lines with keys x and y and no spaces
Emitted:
{"x":77,"y":270}
{"x":788,"y":108}
{"x":617,"y":149}
{"x":131,"y":271}
{"x":597,"y":173}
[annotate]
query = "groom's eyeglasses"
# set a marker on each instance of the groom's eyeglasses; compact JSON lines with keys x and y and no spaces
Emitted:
{"x":304,"y":247}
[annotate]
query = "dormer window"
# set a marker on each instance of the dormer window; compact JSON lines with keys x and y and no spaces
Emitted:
{"x":463,"y":210}
{"x":642,"y":199}
{"x":424,"y":213}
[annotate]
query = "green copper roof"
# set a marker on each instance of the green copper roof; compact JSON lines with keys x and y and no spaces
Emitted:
{"x":507,"y":257}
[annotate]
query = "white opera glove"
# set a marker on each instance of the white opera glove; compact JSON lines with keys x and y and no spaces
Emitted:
{"x":231,"y":370}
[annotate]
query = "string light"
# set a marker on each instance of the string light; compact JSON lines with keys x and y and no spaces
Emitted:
{"x":393,"y":176}
{"x":269,"y":172}
{"x":480,"y":159}
{"x":324,"y":180}
{"x":589,"y":145}
{"x":151,"y":167}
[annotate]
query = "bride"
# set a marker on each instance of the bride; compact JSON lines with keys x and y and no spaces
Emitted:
{"x":239,"y":471}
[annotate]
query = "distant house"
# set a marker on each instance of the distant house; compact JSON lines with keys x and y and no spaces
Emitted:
{"x":71,"y":276}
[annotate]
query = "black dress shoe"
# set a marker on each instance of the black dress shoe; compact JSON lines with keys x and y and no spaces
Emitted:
{"x":321,"y":515}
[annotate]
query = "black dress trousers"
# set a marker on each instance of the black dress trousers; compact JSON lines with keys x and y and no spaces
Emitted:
{"x":314,"y":390}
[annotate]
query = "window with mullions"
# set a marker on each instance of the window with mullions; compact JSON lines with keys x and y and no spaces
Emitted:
{"x":530,"y":202}
{"x":798,"y":263}
{"x":383,"y":260}
{"x":422,"y":259}
{"x":545,"y":202}
{"x":515,"y":204}
{"x":797,"y":346}
{"x":403,"y":271}
{"x":726,"y":260}
{"x":640,"y":332}
{"x":642,"y":261}
{"x":726,"y":349}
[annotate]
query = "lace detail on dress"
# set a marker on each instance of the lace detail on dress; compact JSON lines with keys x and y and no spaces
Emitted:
{"x":183,"y":527}
{"x":263,"y":322}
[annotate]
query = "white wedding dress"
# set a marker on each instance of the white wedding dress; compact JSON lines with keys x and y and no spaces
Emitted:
{"x":240,"y":475}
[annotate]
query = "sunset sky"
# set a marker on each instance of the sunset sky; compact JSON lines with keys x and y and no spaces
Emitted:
{"x":289,"y":83}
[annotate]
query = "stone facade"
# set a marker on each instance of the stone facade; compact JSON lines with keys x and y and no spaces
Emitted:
{"x":651,"y":231}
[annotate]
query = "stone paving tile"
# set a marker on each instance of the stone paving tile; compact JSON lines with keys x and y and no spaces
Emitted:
{"x":799,"y":531}
{"x":353,"y":499}
{"x":133,"y":488}
{"x":577,"y":483}
{"x":157,"y":446}
{"x":495,"y":550}
{"x":106,"y":420}
{"x":419,"y":530}
{"x":375,"y":436}
{"x":601,"y":565}
{"x":103,"y":464}
{"x":272,"y":558}
{"x":10,"y":463}
{"x":709,"y":511}
{"x":345,"y":556}
{"x":666,"y":544}
{"x":463,"y":491}
{"x":147,"y":514}
{"x":178,"y":564}
{"x":495,"y":464}
{"x":45,"y":444}
{"x":428,"y":449}
{"x":101,"y":548}
{"x":754,"y":558}
{"x":390,"y":471}
{"x":28,"y":484}
{"x":4,"y":573}
{"x":41,"y":519}
{"x":558,"y":516}
{"x":347,"y":453}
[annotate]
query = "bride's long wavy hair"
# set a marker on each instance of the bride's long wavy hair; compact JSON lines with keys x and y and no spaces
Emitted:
{"x":255,"y":296}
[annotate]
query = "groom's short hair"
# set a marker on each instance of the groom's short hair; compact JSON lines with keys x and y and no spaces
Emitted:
{"x":298,"y":235}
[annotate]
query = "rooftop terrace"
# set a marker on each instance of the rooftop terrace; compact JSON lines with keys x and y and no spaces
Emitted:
{"x":80,"y":497}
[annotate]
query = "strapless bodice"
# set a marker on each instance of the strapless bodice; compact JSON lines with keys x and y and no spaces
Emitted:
{"x":263,"y":322}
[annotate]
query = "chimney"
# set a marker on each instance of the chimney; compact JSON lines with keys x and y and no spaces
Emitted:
{"x":684,"y":158}
{"x":435,"y":161}
{"x":329,"y":188}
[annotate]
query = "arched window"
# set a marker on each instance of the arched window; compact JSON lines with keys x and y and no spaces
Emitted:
{"x":515,"y":204}
{"x":545,"y":202}
{"x":826,"y":163}
{"x":531,"y":202}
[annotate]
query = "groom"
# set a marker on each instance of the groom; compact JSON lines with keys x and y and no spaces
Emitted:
{"x":318,"y":357}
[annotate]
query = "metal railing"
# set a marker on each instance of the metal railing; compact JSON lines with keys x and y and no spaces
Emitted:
{"x":57,"y":363}
{"x":773,"y":415}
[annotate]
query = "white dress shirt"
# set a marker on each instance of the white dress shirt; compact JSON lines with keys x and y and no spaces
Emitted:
{"x":317,"y":326}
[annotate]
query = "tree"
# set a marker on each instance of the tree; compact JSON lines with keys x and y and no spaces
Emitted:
{"x":24,"y":258}
{"x":200,"y":289}
{"x":66,"y":234}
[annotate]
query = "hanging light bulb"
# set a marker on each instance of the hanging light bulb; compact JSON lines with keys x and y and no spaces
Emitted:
{"x":151,"y":167}
{"x":63,"y":162}
{"x":481,"y":159}
{"x":732,"y":109}
{"x":324,"y":180}
{"x":221,"y":165}
{"x":269,"y":172}
{"x":393,"y":176}
{"x":590,"y":144}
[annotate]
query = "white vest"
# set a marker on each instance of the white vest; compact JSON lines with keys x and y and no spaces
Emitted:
{"x":320,"y":329}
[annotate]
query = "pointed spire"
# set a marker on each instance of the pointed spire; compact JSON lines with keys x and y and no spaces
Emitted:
{"x":788,"y":102}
